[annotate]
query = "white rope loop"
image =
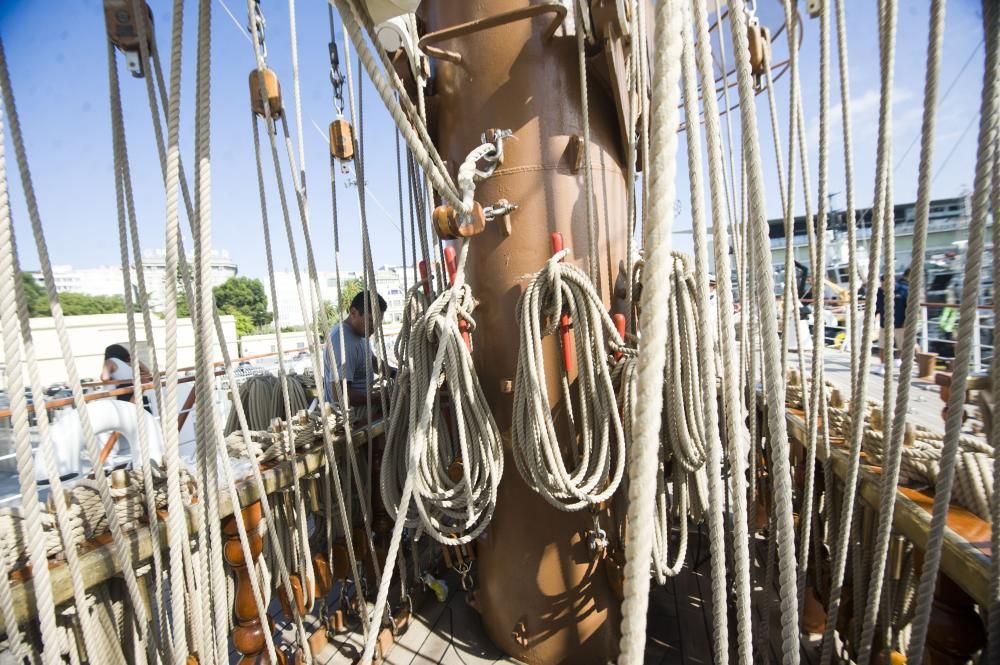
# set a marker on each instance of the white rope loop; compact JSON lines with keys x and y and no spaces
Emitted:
{"x":598,"y":461}
{"x":453,"y":510}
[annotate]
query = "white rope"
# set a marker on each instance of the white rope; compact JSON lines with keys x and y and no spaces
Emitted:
{"x":880,"y":227}
{"x":121,"y":547}
{"x":891,"y":462}
{"x":19,"y":420}
{"x":205,"y":413}
{"x":593,"y":260}
{"x":967,"y":314}
{"x":775,"y":388}
{"x":737,"y":444}
{"x":993,"y":644}
{"x":652,"y":345}
{"x":599,"y":462}
{"x":450,"y":359}
{"x":453,"y":510}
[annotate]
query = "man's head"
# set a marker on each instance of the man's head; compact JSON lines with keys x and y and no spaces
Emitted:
{"x":906,"y":275}
{"x":359,"y":307}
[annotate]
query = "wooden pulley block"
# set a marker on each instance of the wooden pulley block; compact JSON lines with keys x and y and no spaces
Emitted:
{"x":341,"y":561}
{"x":300,"y":597}
{"x":122,"y":24}
{"x":272,"y":88}
{"x":759,"y":38}
{"x":448,"y":223}
{"x":341,"y":139}
{"x":321,"y":573}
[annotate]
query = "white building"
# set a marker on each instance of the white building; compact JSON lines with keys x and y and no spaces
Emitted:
{"x":107,"y":280}
{"x":389,"y":283}
{"x":154,"y":265}
{"x":101,"y":281}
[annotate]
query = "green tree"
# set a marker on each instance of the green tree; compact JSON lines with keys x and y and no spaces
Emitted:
{"x":73,"y":304}
{"x":34,"y":293}
{"x":244,"y":298}
{"x":348,"y":290}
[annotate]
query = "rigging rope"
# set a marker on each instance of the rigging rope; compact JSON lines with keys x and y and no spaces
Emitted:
{"x":966,"y":329}
{"x":598,"y":461}
{"x":652,"y":327}
{"x":891,"y":462}
{"x":441,"y":340}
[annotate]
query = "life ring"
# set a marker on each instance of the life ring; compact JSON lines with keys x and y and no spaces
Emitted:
{"x":107,"y":416}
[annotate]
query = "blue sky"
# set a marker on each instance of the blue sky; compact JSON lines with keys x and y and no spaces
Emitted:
{"x":57,"y":56}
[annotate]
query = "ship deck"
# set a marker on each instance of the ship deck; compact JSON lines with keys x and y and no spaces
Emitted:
{"x":679,"y":628}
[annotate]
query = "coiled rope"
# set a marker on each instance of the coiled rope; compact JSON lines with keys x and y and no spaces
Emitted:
{"x":597,"y":448}
{"x":438,"y":355}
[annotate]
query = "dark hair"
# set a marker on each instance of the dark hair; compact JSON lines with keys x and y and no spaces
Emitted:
{"x":358,"y":302}
{"x":118,"y":352}
{"x":906,"y":273}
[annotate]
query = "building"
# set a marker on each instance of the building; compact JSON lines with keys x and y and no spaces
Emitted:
{"x":101,"y":281}
{"x":948,"y":224}
{"x":107,"y":280}
{"x":154,"y":266}
{"x":389,"y":282}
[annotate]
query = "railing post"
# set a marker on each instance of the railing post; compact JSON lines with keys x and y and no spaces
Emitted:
{"x":248,"y":633}
{"x":977,"y":351}
{"x":925,"y":336}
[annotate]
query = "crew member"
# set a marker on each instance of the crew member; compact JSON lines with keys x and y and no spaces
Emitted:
{"x":118,"y":367}
{"x":358,"y":363}
{"x":901,"y":293}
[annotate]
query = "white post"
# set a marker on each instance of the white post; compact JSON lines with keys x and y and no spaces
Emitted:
{"x":977,"y":351}
{"x":924,"y":329}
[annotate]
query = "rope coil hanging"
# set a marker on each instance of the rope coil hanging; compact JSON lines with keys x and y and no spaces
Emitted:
{"x":456,"y":471}
{"x":598,"y":456}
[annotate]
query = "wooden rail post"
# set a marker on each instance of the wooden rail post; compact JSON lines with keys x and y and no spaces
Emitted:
{"x":248,"y":635}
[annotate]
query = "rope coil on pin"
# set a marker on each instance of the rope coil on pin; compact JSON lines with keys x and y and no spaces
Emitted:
{"x":561,"y":297}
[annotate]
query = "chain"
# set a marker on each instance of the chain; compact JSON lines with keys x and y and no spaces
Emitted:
{"x":336,"y":76}
{"x":259,"y":22}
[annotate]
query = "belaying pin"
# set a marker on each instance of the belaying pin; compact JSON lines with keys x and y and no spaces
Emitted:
{"x":565,"y":340}
{"x":267,"y":79}
{"x":619,"y":320}
{"x":452,"y":267}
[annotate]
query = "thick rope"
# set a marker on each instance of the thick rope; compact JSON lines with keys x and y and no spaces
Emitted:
{"x":891,"y":462}
{"x":652,"y":345}
{"x":887,"y":30}
{"x":599,"y":463}
{"x":773,"y":372}
{"x":121,"y":547}
{"x":966,"y":329}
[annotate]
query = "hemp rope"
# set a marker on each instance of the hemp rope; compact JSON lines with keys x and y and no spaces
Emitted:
{"x":892,"y":460}
{"x":771,"y":346}
{"x":694,"y":288}
{"x":652,"y":327}
{"x":880,"y":227}
{"x":120,"y":546}
{"x":598,"y":463}
{"x":451,"y":347}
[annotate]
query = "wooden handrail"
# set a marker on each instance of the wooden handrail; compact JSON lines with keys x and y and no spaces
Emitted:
{"x":98,"y":561}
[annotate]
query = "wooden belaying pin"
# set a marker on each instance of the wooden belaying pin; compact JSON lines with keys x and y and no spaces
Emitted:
{"x":422,"y":266}
{"x":452,"y":266}
{"x":564,"y":321}
{"x":619,"y":320}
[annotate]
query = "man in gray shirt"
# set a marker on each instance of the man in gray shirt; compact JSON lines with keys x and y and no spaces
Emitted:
{"x":355,"y":365}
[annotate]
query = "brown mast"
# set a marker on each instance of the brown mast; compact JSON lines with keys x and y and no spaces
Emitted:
{"x":545,"y":596}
